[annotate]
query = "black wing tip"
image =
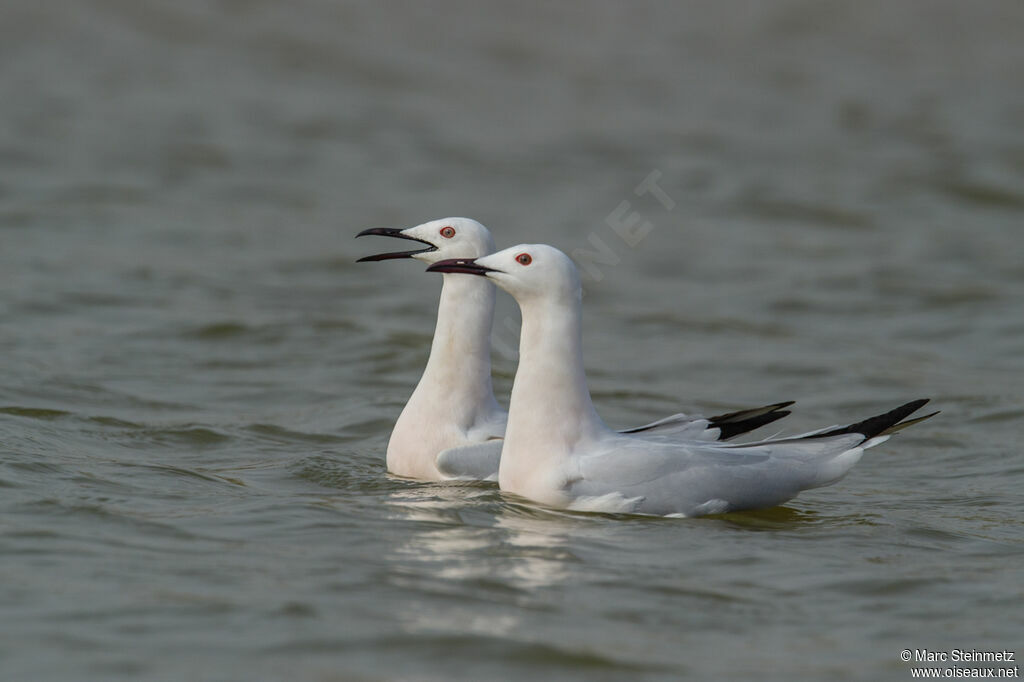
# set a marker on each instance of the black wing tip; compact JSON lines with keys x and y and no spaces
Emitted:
{"x":882,"y":424}
{"x":729,"y":430}
{"x":908,"y":422}
{"x":733,"y":424}
{"x":742,"y":415}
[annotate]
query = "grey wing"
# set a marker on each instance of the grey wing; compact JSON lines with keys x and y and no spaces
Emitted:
{"x":701,"y":478}
{"x":681,"y":425}
{"x":477,"y":462}
{"x":718,"y":427}
{"x":704,"y":478}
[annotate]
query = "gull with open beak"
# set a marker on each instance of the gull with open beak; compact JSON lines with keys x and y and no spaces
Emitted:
{"x":558,"y":451}
{"x":452,"y":426}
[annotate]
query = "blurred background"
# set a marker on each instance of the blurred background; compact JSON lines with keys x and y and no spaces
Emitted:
{"x":197,"y":383}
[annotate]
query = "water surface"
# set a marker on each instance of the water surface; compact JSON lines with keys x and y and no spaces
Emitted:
{"x":197,"y":383}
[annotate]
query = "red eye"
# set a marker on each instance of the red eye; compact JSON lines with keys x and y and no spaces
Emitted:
{"x":524,"y":259}
{"x":448,"y":232}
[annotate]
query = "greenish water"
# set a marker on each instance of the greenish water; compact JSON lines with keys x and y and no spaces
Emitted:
{"x":197,"y":383}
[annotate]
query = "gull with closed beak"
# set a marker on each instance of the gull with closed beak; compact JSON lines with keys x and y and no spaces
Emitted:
{"x":557,"y":451}
{"x":452,"y":426}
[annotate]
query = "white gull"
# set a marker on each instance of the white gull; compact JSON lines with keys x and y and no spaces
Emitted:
{"x":558,"y":451}
{"x":451,"y":427}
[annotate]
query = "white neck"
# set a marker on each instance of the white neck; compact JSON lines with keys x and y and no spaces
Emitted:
{"x":457,"y":378}
{"x":550,"y":411}
{"x":454,"y":394}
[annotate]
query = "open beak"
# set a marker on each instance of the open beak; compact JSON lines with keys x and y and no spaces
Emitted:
{"x":394,"y":232}
{"x":464,"y":265}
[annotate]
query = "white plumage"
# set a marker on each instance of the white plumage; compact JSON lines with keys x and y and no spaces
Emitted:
{"x":451,"y":427}
{"x":559,"y":452}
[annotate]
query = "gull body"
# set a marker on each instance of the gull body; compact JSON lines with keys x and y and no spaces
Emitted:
{"x":452,"y":413}
{"x":558,"y":451}
{"x":452,"y":426}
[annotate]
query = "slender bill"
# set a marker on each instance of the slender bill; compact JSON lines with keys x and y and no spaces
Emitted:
{"x":397,"y":233}
{"x":466,"y":266}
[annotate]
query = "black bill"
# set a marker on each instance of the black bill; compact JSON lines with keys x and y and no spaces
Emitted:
{"x":393,"y":232}
{"x":464,"y":265}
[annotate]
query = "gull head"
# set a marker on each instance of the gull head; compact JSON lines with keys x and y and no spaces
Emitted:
{"x":527,"y":271}
{"x":439,"y":240}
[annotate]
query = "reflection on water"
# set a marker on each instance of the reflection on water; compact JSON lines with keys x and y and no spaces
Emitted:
{"x":197,"y":382}
{"x":539,"y":554}
{"x":453,"y":540}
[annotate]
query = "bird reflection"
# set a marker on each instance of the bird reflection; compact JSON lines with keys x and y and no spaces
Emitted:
{"x":474,"y":537}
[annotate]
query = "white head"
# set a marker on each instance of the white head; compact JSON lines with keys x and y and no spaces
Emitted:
{"x":527,"y":271}
{"x":442,"y":239}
